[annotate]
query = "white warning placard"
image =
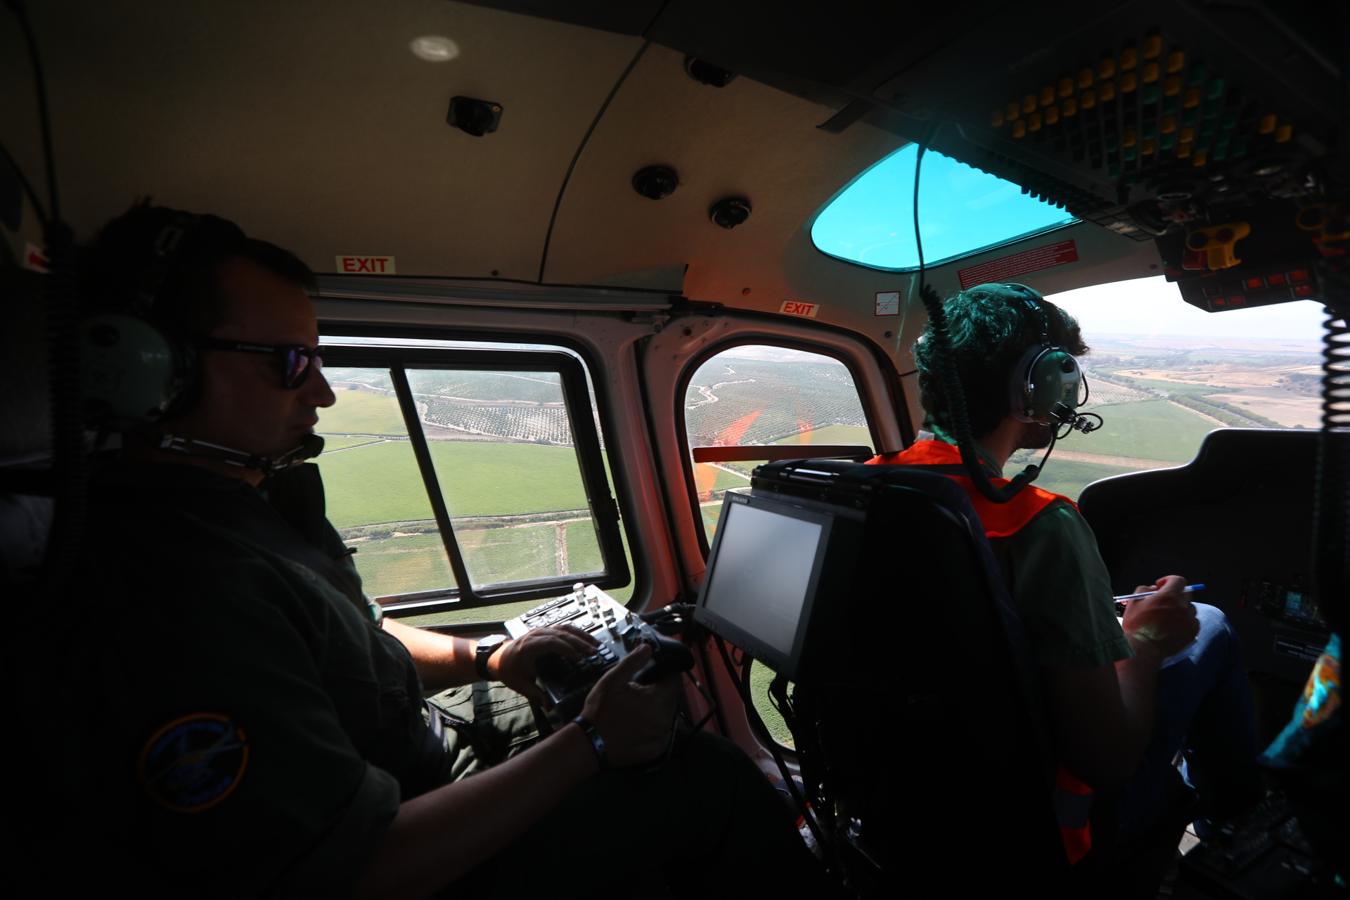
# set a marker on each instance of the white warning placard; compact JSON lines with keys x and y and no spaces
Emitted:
{"x":888,"y":303}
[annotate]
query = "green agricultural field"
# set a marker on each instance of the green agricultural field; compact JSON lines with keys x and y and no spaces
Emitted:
{"x":403,"y":565}
{"x":417,"y":562}
{"x":745,"y":469}
{"x":583,"y":549}
{"x":1146,"y":429}
{"x":381,"y":482}
{"x":832,"y":434}
{"x":475,"y":615}
{"x":1069,"y":477}
{"x":1176,"y":387}
{"x":711,"y":513}
{"x":760,"y":676}
{"x":729,"y":474}
{"x":498,"y":555}
{"x":727,"y":480}
{"x":362,"y":412}
{"x":855,"y":435}
{"x":534,"y":387}
{"x":341,"y":442}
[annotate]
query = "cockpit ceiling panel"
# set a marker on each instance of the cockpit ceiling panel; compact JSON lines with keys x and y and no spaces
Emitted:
{"x":313,"y":124}
{"x":743,"y":140}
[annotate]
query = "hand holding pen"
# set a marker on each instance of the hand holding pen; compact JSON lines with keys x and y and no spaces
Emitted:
{"x":1123,"y":598}
{"x":1160,"y":621}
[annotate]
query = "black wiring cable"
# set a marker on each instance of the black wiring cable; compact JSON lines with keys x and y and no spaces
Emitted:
{"x":808,"y":815}
{"x":1331,"y":505}
{"x":586,"y":138}
{"x":953,"y":392}
{"x":69,"y":460}
{"x":27,"y":186}
{"x":712,"y":686}
{"x":680,"y":616}
{"x":712,"y":706}
{"x":44,"y":117}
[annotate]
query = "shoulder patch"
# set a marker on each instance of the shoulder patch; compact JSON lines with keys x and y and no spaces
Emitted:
{"x":194,"y":762}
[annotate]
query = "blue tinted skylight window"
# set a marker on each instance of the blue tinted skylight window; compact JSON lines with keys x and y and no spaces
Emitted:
{"x":961,"y":211}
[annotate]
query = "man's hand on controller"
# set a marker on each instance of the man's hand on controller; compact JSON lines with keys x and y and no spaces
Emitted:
{"x":1163,"y":624}
{"x":515,"y":662}
{"x":635,"y":720}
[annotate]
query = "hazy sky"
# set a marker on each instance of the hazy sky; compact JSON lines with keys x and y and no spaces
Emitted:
{"x":1152,"y":307}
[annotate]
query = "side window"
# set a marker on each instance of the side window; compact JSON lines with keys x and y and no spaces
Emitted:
{"x":469,"y":484}
{"x":756,"y":402}
{"x":1163,"y":374}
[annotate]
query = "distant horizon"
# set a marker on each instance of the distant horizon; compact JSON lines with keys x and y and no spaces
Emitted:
{"x":1097,"y":338}
{"x":1153,"y":308}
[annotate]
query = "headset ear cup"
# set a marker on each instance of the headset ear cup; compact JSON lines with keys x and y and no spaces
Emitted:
{"x":134,"y":372}
{"x":1045,"y":382}
{"x":188,"y":380}
{"x":1055,"y":381}
{"x":1020,"y":400}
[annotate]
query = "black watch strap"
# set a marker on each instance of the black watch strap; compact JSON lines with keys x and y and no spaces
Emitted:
{"x":483,"y":651}
{"x":597,"y":742}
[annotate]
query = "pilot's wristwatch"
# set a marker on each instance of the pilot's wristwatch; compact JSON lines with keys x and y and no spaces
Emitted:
{"x":486,"y":647}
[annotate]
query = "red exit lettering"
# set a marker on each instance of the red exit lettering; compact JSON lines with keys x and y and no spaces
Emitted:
{"x":369,"y":265}
{"x":799,"y":308}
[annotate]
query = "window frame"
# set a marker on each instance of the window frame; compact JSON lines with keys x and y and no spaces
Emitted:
{"x":586,"y":441}
{"x":928,"y":263}
{"x":697,"y":361}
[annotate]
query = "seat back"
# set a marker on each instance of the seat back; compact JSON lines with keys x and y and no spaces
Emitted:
{"x":928,"y":726}
{"x":25,"y":428}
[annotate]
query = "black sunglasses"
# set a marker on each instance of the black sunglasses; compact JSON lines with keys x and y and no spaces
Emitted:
{"x":296,"y":359}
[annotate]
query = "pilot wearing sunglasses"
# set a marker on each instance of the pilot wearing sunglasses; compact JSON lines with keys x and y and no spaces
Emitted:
{"x":261,"y":373}
{"x":260,"y":725}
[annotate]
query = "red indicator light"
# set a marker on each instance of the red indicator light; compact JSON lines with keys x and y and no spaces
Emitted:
{"x":1255,"y":283}
{"x":1275,"y":279}
{"x":1194,"y":260}
{"x":1237,"y":300}
{"x":1303,"y":290}
{"x":1217,"y":301}
{"x":1298,"y":275}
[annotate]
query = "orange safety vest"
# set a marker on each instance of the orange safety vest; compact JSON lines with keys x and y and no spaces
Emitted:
{"x":1000,"y":520}
{"x":1072,"y":798}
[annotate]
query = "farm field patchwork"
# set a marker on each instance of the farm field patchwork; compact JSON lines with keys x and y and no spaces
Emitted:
{"x":407,"y":563}
{"x":1069,"y":477}
{"x":360,"y":411}
{"x":1145,"y":394}
{"x":1148,"y":429}
{"x":335,"y":442}
{"x":381,"y":482}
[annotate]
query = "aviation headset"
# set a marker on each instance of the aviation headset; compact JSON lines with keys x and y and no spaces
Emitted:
{"x":139,"y":367}
{"x":1046,"y":383}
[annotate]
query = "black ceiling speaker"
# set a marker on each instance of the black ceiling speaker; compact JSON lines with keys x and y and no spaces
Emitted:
{"x":705,"y":72}
{"x":730,"y":211}
{"x":475,"y":117}
{"x":11,"y":196}
{"x":656,"y":182}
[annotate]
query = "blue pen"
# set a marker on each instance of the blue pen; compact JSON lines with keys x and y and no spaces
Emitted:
{"x":1186,"y":590}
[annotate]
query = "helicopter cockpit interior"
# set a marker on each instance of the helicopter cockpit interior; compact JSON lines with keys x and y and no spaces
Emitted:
{"x":541,"y":230}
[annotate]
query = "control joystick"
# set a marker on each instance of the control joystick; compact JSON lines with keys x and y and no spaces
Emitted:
{"x":618,"y":632}
{"x":669,"y":657}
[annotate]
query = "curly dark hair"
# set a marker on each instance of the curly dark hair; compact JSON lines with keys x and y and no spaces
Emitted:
{"x":990,"y":326}
{"x":122,"y":271}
